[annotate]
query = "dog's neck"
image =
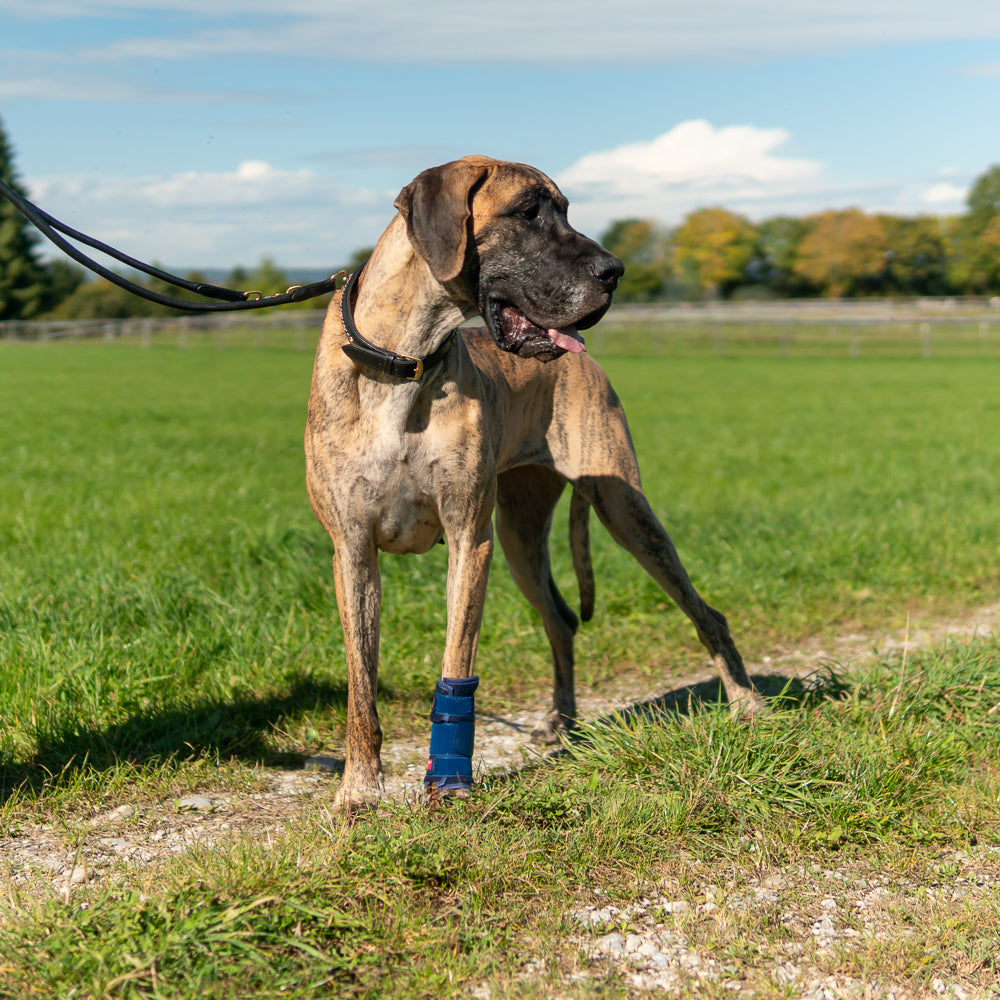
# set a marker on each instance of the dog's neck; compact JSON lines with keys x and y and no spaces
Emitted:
{"x":395,"y":274}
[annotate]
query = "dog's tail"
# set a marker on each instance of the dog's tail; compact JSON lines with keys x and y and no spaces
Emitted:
{"x":579,"y":543}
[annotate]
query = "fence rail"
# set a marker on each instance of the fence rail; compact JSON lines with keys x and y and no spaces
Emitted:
{"x":808,"y":328}
{"x":257,"y":330}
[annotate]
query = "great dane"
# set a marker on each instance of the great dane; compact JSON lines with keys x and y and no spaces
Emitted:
{"x":417,"y":433}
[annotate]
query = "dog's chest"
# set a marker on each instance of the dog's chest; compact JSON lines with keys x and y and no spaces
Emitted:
{"x":406,"y":518}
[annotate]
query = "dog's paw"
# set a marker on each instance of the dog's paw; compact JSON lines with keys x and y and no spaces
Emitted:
{"x":749,"y":706}
{"x":358,"y":796}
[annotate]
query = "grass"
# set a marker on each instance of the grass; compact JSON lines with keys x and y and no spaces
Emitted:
{"x":167,"y":624}
{"x":846,"y":788}
{"x":165,"y":593}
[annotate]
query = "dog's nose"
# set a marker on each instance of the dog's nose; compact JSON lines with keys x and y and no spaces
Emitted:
{"x":607,"y":269}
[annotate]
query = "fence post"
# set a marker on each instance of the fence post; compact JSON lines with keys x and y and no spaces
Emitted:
{"x":719,"y":339}
{"x":925,"y":339}
{"x":855,"y":349}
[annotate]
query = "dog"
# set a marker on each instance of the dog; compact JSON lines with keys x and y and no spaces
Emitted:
{"x":418,"y":432}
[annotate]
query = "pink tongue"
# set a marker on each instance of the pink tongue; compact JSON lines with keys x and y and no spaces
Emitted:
{"x":568,"y":340}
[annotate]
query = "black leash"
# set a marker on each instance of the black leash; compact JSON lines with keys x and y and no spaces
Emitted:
{"x":361,"y":351}
{"x":366,"y":355}
{"x":231,"y":298}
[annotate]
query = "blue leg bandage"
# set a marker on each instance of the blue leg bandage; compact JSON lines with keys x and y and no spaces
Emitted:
{"x":453,"y":732}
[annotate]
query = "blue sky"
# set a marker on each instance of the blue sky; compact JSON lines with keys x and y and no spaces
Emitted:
{"x":200,"y":138}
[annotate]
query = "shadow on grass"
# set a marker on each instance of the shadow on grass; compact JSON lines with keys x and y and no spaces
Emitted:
{"x":220,"y":728}
{"x":781,"y":693}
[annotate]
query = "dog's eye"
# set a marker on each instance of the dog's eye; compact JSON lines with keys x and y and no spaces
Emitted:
{"x":529,"y":212}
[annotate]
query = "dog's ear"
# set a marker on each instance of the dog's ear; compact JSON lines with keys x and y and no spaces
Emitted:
{"x":437,"y":205}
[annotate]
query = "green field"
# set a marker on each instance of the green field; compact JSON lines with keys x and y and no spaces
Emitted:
{"x":160,"y":567}
{"x":167,"y":621}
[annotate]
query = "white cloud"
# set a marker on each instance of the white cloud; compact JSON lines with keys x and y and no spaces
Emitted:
{"x":984,"y":69}
{"x":944,"y":195}
{"x":197,"y":219}
{"x":692,"y":165}
{"x":577,"y":31}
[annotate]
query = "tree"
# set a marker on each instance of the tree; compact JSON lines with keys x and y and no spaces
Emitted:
{"x":268,"y":278}
{"x":983,"y":200}
{"x":844,"y":252}
{"x":975,"y":262}
{"x":639,"y":245}
{"x":22,"y":277}
{"x":713,"y":246}
{"x":63,"y":278}
{"x":773,"y":263}
{"x":917,"y":260}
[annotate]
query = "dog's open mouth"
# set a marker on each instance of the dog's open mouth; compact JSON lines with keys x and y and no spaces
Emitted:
{"x":528,"y":340}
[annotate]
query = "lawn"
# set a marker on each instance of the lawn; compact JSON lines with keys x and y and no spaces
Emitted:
{"x":167,"y":622}
{"x":164,"y":587}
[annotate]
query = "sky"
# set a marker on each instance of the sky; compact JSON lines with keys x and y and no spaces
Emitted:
{"x":211,"y":133}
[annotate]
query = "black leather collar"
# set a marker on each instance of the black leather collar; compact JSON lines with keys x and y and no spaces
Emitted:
{"x":366,"y":355}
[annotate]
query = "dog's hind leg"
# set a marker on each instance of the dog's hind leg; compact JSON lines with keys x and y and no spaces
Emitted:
{"x":526,"y":497}
{"x":625,"y":512}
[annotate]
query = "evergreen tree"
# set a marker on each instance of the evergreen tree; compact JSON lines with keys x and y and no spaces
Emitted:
{"x":23,"y":292}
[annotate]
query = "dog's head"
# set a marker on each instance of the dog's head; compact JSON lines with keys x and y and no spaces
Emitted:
{"x":501,"y":229}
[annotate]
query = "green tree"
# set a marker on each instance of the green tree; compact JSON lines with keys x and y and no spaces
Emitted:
{"x":100,"y":299}
{"x":773,"y":263}
{"x":975,"y":262}
{"x":268,"y":278}
{"x":712,"y":247}
{"x":63,"y":278}
{"x":642,"y":248}
{"x":983,"y":200}
{"x":918,"y":257}
{"x":22,"y":277}
{"x":845,"y":252}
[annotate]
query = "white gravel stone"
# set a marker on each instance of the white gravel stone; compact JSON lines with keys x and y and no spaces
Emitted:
{"x":611,"y":944}
{"x":194,"y":803}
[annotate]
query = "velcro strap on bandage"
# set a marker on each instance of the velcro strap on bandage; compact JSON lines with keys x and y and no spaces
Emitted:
{"x":453,"y":733}
{"x":452,"y":708}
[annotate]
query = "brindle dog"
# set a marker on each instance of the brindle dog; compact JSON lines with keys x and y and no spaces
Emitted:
{"x":397,"y":462}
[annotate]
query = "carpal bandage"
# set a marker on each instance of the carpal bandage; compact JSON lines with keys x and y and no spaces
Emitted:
{"x":453,"y":733}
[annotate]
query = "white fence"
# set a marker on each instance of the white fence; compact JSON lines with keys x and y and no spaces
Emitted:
{"x":807,"y":327}
{"x":145,"y":330}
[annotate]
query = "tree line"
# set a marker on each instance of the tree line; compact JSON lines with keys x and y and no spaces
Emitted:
{"x":713,"y":253}
{"x":716,"y":253}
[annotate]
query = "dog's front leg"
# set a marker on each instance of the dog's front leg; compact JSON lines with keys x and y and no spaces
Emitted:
{"x":359,"y":599}
{"x":453,"y":714}
{"x":468,"y":571}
